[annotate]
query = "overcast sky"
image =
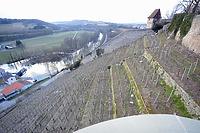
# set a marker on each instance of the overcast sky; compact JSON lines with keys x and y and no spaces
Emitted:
{"x":117,"y":11}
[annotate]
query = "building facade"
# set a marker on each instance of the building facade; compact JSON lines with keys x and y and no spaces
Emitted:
{"x":154,"y":18}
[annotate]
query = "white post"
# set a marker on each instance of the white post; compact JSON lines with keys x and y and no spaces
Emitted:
{"x":189,"y":70}
{"x":195,"y":65}
{"x":183,"y":74}
{"x":161,"y":54}
{"x":156,"y":98}
{"x":153,"y":74}
{"x":61,"y":125}
{"x":146,"y":81}
{"x":143,"y":76}
{"x":171,"y":94}
{"x":157,"y":80}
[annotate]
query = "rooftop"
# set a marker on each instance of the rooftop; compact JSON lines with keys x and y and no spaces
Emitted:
{"x":156,"y":13}
{"x":24,"y":82}
{"x":6,"y":76}
{"x":1,"y":70}
{"x":12,"y":87}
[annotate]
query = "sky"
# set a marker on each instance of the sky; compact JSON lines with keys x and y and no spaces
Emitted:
{"x":116,"y":11}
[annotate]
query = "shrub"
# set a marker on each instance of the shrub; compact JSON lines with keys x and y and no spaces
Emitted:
{"x":89,"y":54}
{"x":157,"y":27}
{"x":99,"y":51}
{"x":75,"y":65}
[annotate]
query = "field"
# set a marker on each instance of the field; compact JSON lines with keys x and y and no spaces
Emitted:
{"x":123,"y":82}
{"x":11,"y":27}
{"x":39,"y":44}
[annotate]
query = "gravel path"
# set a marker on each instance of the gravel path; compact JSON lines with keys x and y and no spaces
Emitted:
{"x":126,"y":38}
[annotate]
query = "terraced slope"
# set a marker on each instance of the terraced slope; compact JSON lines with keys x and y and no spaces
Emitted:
{"x":120,"y":83}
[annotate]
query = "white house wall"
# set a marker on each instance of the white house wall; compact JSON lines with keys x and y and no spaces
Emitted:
{"x":11,"y":80}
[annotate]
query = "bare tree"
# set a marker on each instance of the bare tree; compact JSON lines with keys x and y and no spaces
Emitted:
{"x":189,"y":6}
{"x":169,"y":15}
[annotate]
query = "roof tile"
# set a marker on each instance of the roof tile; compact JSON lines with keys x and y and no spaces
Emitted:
{"x":12,"y":87}
{"x":155,"y":13}
{"x":1,"y":70}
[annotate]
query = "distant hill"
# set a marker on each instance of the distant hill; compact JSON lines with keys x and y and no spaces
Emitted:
{"x":79,"y":22}
{"x":28,"y":23}
{"x":14,"y":29}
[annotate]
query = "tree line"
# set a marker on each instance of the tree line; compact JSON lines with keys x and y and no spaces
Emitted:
{"x":4,"y":37}
{"x":71,"y":44}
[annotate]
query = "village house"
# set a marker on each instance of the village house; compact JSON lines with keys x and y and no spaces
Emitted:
{"x":12,"y":90}
{"x":15,"y":88}
{"x":154,"y":18}
{"x":2,"y":71}
{"x":8,"y":78}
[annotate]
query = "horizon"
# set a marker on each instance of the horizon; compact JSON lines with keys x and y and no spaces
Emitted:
{"x":107,"y":11}
{"x":78,"y":20}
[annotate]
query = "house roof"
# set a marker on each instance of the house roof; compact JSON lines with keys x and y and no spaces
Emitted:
{"x":6,"y":76}
{"x":155,"y":13}
{"x":1,"y":70}
{"x":12,"y":87}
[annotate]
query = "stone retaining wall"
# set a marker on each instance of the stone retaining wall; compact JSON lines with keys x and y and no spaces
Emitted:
{"x":190,"y":104}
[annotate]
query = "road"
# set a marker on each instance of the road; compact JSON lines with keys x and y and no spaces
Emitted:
{"x":75,"y":35}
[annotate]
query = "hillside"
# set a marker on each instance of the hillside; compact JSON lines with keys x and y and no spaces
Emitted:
{"x":28,"y":22}
{"x":14,"y":29}
{"x":139,"y":73}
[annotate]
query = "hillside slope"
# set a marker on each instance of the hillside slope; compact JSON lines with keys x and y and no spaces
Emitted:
{"x":125,"y":81}
{"x":15,"y":29}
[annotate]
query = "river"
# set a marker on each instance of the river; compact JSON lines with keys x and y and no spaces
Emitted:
{"x":41,"y":71}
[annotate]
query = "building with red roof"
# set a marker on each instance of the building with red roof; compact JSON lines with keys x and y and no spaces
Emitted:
{"x":15,"y":88}
{"x":154,"y":18}
{"x":12,"y":90}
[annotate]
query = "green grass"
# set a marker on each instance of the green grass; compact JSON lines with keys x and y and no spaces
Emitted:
{"x":39,"y":45}
{"x":175,"y":100}
{"x":7,"y":27}
{"x":49,"y":39}
{"x":135,"y":89}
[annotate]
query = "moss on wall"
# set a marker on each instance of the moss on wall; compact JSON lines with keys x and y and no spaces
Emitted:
{"x":176,"y":22}
{"x":182,"y":21}
{"x":186,"y":24}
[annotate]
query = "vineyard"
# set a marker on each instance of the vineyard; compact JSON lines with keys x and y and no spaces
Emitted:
{"x":123,"y":82}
